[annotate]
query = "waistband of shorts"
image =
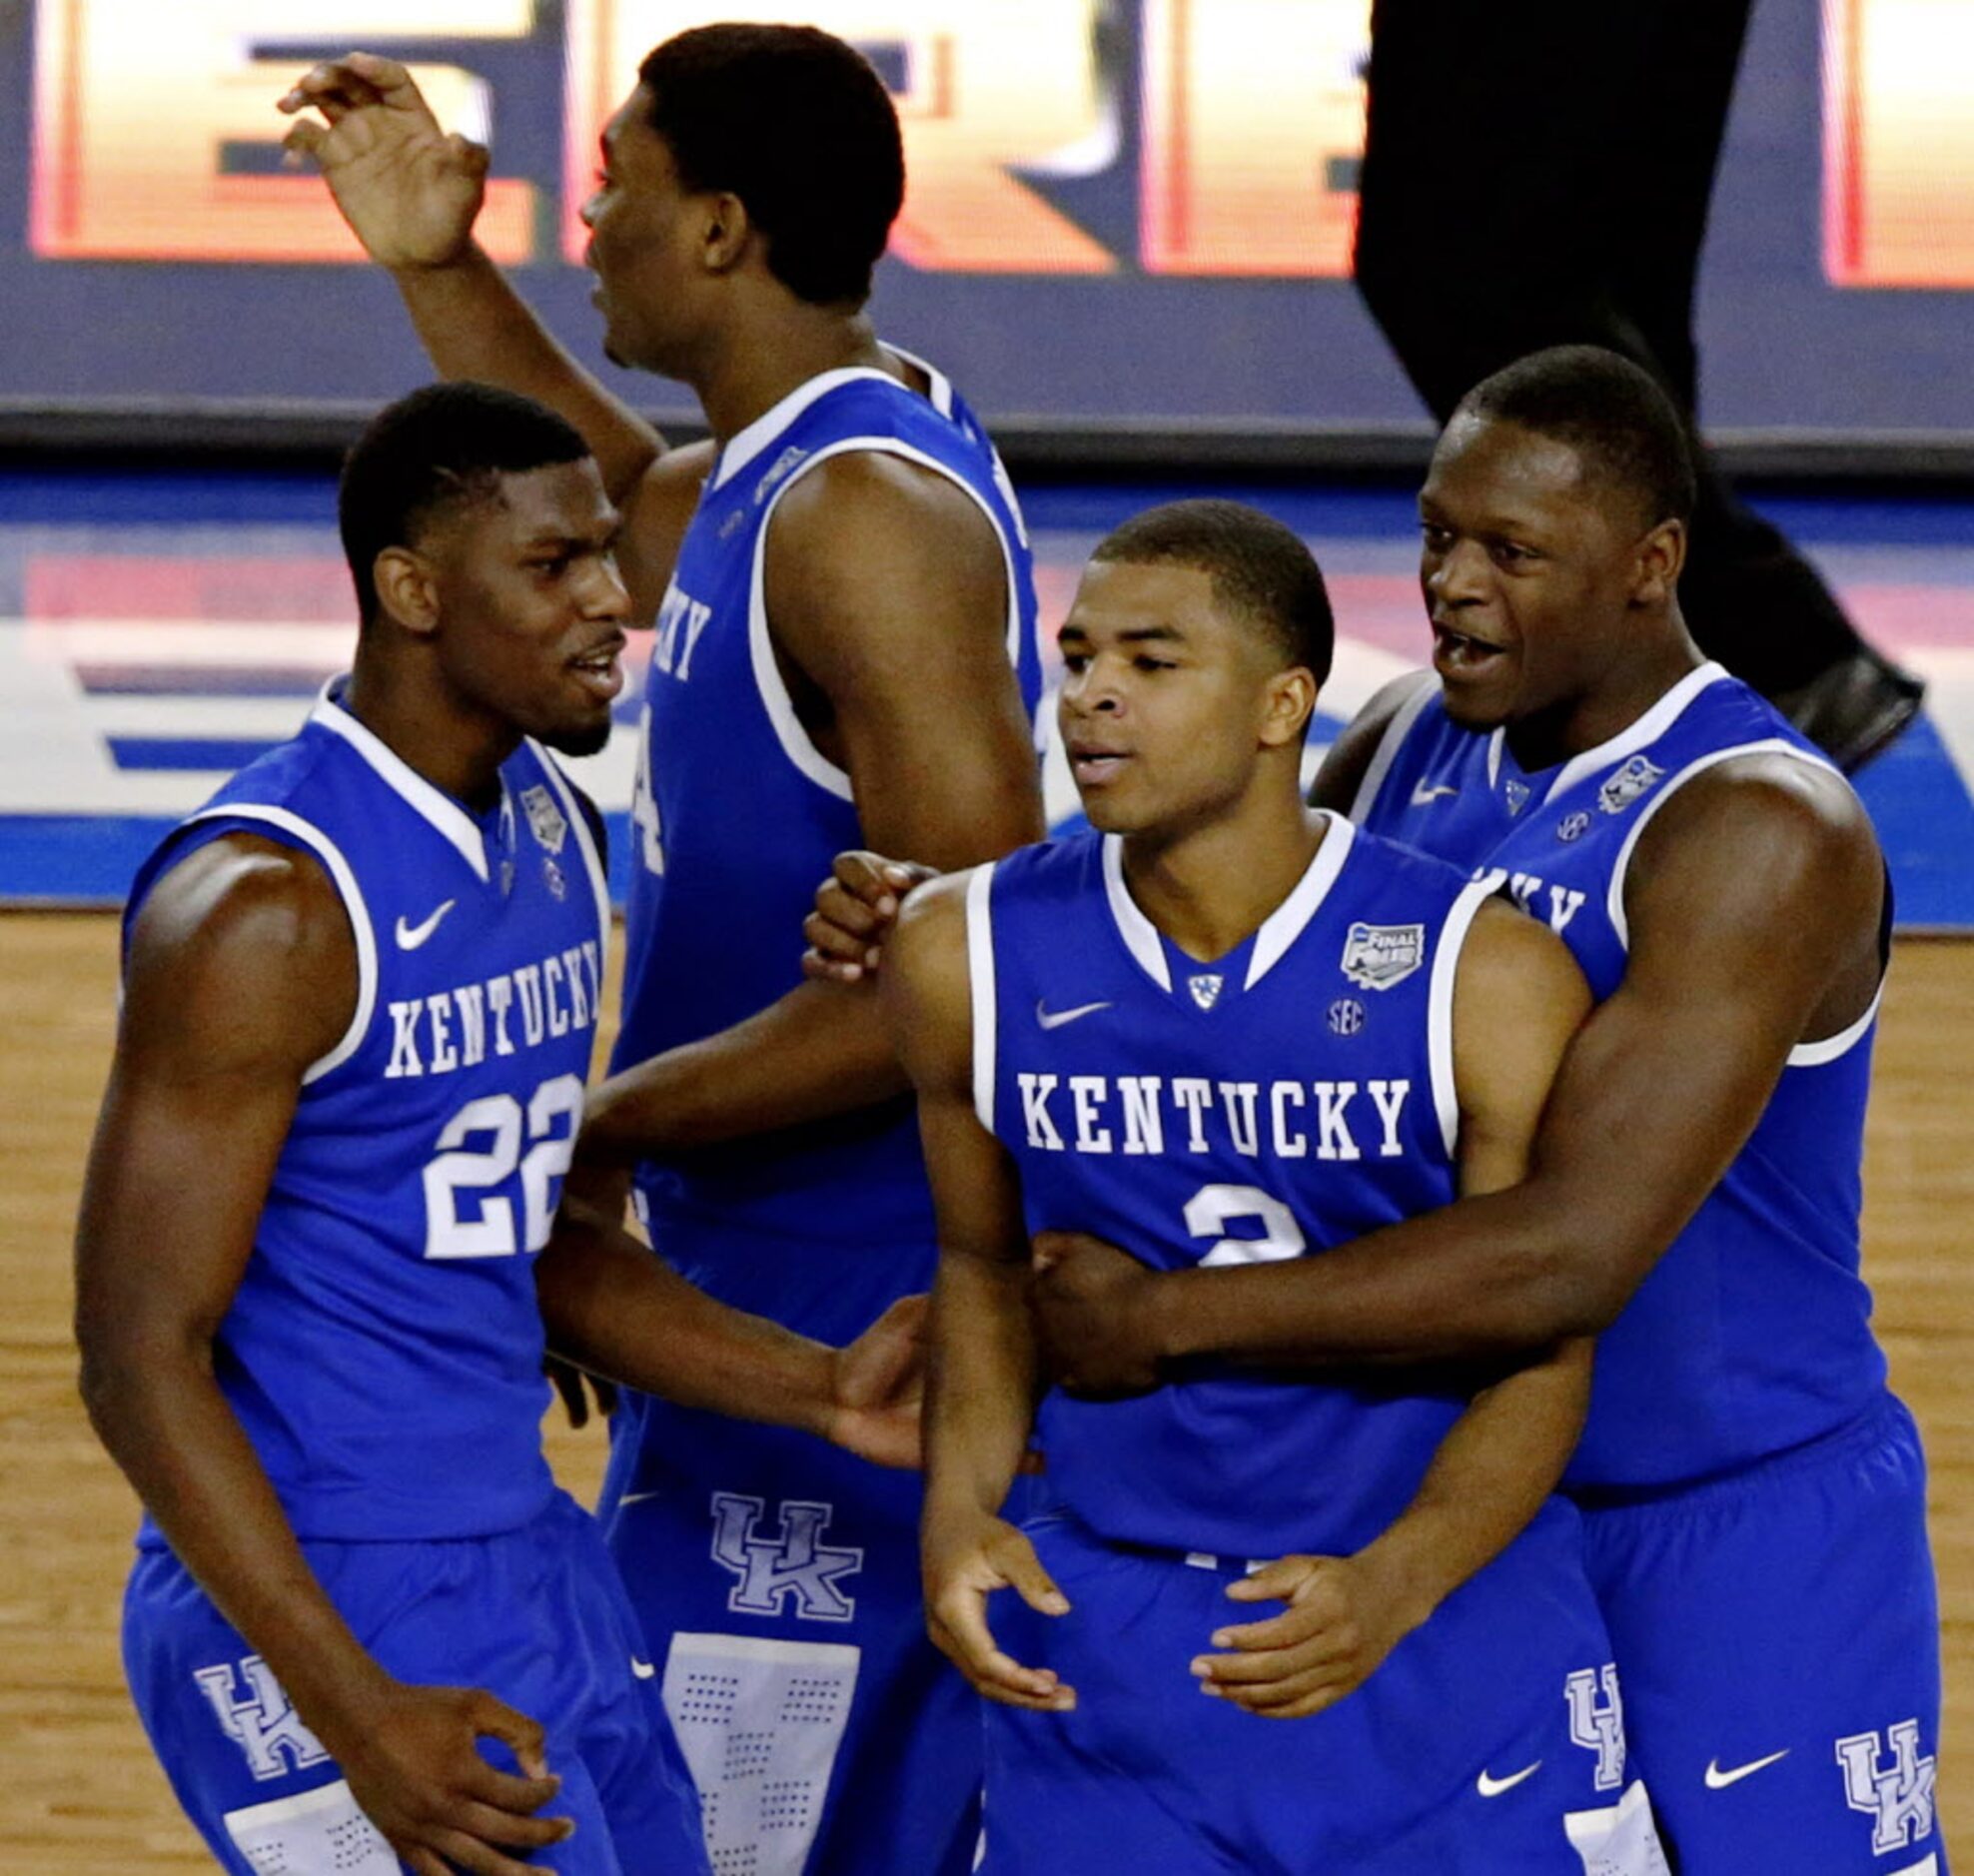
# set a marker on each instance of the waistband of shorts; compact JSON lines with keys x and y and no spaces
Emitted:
{"x":1885,"y":1418}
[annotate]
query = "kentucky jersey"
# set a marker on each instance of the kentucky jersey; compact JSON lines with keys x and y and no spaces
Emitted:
{"x":1291,"y":1095}
{"x":738,"y":814}
{"x":384,"y":1349}
{"x":1752,"y":1334}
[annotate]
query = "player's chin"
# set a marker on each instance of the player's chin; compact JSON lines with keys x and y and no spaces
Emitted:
{"x":583,"y":736}
{"x":1483,"y":705}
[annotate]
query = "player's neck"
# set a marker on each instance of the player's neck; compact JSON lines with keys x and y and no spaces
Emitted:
{"x":1626,"y":689}
{"x":458,"y":751}
{"x":760,"y":357}
{"x":1210,"y":886}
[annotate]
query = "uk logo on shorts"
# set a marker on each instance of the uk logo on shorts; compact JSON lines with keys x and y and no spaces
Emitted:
{"x":796,"y":1563}
{"x":1897,"y":1796}
{"x":262,"y":1725}
{"x":1598,"y":1725}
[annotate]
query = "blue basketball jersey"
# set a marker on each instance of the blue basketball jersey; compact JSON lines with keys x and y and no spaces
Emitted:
{"x":1290,"y":1096}
{"x":1752,"y":1334}
{"x":384,"y":1349}
{"x":738,"y":814}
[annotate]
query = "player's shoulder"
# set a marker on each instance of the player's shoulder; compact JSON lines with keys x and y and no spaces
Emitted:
{"x":1770,"y":797}
{"x":1349,"y":761}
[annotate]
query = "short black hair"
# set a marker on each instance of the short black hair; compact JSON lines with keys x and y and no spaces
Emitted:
{"x":799,"y":126}
{"x":441,"y":448}
{"x":1613,"y":412}
{"x":1258,"y":567}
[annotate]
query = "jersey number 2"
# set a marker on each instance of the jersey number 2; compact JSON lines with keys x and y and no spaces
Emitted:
{"x":1213,"y":1208}
{"x":467,"y":1175}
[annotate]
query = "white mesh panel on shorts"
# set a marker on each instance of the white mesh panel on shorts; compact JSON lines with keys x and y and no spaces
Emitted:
{"x":1618,"y":1839}
{"x":761,"y":1723}
{"x":320,"y":1833}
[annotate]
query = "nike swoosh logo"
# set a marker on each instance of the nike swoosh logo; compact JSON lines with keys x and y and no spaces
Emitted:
{"x":1493,"y":1787}
{"x":1718,"y":1780}
{"x":409,"y":937}
{"x":642,"y":1669}
{"x":1425,"y":794}
{"x":1055,"y":1019}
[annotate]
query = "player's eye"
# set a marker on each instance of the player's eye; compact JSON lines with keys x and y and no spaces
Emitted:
{"x":1075,"y":662}
{"x":1436,"y":539}
{"x":1146,"y":662}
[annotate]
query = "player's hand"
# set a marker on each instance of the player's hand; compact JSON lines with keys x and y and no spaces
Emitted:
{"x":1088,"y":1300}
{"x":576,"y":1385}
{"x":414,"y":1763}
{"x":878,"y":1385}
{"x":855,"y":908}
{"x":967,"y":1556}
{"x":409,"y":190}
{"x":1342,"y":1618}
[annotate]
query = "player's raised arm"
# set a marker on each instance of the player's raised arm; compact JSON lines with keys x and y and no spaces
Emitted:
{"x":1754,"y":902}
{"x":411,"y":194}
{"x":887,"y":589}
{"x":982,"y":1388}
{"x":1518,"y":1000}
{"x":242,"y":973}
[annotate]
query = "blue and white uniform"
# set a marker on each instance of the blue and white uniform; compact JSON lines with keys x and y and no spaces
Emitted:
{"x":384,"y":1349}
{"x":1754,"y":1497}
{"x":777,"y":1578}
{"x":1288,"y":1097}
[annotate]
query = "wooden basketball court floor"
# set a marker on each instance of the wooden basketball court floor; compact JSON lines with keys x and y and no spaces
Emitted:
{"x":79,"y":1792}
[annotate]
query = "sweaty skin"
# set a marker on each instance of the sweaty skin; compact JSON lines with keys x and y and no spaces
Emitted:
{"x":886,"y":589}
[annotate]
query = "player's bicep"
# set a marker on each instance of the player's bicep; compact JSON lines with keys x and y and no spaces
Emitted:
{"x":889,"y":588}
{"x":241,"y":974}
{"x":1518,"y":999}
{"x":656,"y":512}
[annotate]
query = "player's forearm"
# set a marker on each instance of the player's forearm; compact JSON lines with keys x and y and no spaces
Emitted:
{"x":156,"y":1407}
{"x":473,"y":324}
{"x":981,"y":1384}
{"x":1490,"y":1475}
{"x":1500,"y":1275}
{"x":612,"y":1306}
{"x":819,"y":1052}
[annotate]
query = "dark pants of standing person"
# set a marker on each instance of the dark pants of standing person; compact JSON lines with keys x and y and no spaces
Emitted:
{"x":1538,"y":173}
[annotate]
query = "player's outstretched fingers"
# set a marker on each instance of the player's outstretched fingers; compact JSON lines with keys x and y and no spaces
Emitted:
{"x":517,"y":1798}
{"x":334,"y":88}
{"x":468,"y":1853}
{"x":303,"y":144}
{"x":494,"y":1826}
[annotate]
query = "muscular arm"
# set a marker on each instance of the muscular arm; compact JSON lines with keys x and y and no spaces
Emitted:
{"x":411,"y":195}
{"x":242,"y":972}
{"x":1753,"y":903}
{"x":982,"y":1385}
{"x":887,"y":591}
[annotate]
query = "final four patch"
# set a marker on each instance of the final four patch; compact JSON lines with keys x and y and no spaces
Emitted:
{"x":1634,"y":779}
{"x":545,"y":817}
{"x":1378,"y":956}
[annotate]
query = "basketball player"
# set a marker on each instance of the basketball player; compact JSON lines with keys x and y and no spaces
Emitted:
{"x":1227,"y":1030}
{"x":1754,"y":1496}
{"x":844,"y":654}
{"x":361,"y":991}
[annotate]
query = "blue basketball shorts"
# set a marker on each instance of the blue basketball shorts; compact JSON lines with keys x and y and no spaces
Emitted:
{"x":1491,"y":1739}
{"x":1778,"y":1636}
{"x":536,"y":1616}
{"x":776,"y":1579}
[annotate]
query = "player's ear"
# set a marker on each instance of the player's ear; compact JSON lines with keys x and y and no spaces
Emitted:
{"x":407,"y":590}
{"x":1662,"y":556}
{"x":723,"y":237}
{"x":1287,"y":707}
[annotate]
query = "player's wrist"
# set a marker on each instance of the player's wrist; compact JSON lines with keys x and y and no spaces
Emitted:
{"x":1407,"y":1573}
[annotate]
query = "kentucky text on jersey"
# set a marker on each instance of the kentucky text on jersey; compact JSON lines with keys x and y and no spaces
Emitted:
{"x":1281,"y":1120}
{"x":453,"y":1028}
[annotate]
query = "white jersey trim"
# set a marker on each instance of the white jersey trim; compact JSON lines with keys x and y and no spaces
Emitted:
{"x":1282,"y":927}
{"x":1389,"y":745}
{"x":745,"y":444}
{"x":794,"y":740}
{"x":433,"y":804}
{"x":980,"y":982}
{"x":1439,"y":1003}
{"x":1139,"y":935}
{"x":345,"y":880}
{"x":599,"y":879}
{"x":1647,"y":730}
{"x":1804,"y":1054}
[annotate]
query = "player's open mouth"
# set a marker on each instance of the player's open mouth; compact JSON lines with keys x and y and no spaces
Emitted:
{"x":1456,"y":653}
{"x":600,"y":671}
{"x":1092,"y":765}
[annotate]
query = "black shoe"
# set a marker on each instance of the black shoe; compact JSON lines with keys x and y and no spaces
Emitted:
{"x":1855,"y":708}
